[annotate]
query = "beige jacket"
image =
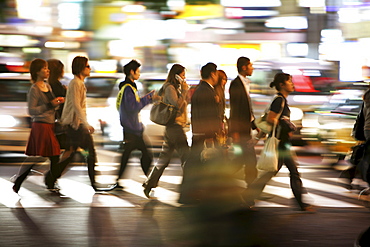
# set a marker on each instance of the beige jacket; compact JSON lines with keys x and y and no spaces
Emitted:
{"x":74,"y":112}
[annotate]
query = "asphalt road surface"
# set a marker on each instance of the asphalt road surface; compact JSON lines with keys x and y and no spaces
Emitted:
{"x":80,"y":217}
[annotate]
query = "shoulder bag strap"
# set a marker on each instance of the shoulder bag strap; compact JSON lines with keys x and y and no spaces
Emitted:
{"x":279,"y":115}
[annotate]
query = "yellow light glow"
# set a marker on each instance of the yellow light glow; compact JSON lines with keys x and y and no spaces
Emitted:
{"x":201,"y":12}
{"x":73,"y":34}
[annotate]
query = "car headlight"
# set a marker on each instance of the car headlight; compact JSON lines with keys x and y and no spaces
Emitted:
{"x":295,"y":114}
{"x":7,"y":121}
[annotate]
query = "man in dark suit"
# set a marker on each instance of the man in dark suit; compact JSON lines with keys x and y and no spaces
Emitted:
{"x":205,"y":118}
{"x":206,"y":122}
{"x":241,"y":119}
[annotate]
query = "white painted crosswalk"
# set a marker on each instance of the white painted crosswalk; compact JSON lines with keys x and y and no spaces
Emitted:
{"x":81,"y":194}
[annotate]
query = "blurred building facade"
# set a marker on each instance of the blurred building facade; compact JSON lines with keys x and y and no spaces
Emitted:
{"x":162,"y":32}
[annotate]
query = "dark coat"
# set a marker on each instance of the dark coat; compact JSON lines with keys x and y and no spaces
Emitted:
{"x":205,"y":117}
{"x":240,"y":109}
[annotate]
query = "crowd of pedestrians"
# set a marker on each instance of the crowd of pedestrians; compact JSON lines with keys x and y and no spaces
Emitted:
{"x":49,"y":102}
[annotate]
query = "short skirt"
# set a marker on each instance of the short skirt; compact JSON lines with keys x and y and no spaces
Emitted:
{"x":42,"y":141}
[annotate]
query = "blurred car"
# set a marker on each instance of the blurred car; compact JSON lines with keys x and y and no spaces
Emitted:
{"x":314,"y":81}
{"x":14,"y":119}
{"x":101,"y":109}
{"x":330,"y":126}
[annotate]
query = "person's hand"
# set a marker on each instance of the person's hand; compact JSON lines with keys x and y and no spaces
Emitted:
{"x":91,"y":129}
{"x":57,"y":101}
{"x":156,"y":97}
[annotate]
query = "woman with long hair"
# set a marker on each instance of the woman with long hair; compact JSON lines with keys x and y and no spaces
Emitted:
{"x":56,"y":68}
{"x":279,"y":115}
{"x":174,"y":91}
{"x":42,"y":104}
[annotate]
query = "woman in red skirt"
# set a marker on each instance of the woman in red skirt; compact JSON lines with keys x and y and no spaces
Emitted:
{"x":41,"y":106}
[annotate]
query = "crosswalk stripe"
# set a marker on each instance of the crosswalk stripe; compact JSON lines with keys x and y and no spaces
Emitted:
{"x":168,"y":179}
{"x":323,"y":201}
{"x":25,"y":199}
{"x":85,"y":194}
{"x":163,"y":195}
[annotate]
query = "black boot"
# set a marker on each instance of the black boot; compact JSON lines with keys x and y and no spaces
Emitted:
{"x":18,"y":182}
{"x":152,"y":180}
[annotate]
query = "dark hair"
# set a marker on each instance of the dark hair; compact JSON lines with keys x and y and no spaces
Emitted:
{"x":56,"y":68}
{"x":36,"y":65}
{"x":176,"y":69}
{"x":207,"y":70}
{"x":132,"y":65}
{"x":242,"y":61}
{"x":279,"y":78}
{"x":223,"y":73}
{"x":79,"y":64}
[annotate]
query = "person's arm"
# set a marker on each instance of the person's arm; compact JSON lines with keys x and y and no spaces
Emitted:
{"x":129,"y":102}
{"x":275,"y":111}
{"x":174,"y":98}
{"x":33,"y":98}
{"x":77,"y":97}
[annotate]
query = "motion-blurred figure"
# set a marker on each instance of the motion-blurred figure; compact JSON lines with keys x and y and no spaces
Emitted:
{"x":206,"y":124}
{"x":241,"y":119}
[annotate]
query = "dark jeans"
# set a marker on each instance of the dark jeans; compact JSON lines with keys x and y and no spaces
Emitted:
{"x":75,"y":139}
{"x":174,"y":139}
{"x":247,"y":159}
{"x":285,"y":157}
{"x":133,"y":142}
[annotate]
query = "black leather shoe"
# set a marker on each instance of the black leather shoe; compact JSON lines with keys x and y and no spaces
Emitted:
{"x":147,"y":192}
{"x":16,"y":188}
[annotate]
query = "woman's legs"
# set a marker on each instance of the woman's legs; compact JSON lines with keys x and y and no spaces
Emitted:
{"x":50,"y":176}
{"x":25,"y":170}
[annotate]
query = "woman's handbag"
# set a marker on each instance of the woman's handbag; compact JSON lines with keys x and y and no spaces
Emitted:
{"x":269,"y":157}
{"x":162,"y":113}
{"x":262,"y":123}
{"x":358,"y":128}
{"x":60,"y":131}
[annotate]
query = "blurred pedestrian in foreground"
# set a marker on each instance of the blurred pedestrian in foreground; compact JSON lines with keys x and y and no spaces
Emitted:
{"x":284,"y":85}
{"x":363,"y":166}
{"x":242,"y":119}
{"x":206,"y":124}
{"x":41,"y":106}
{"x":174,"y":91}
{"x":79,"y":131}
{"x":129,"y":105}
